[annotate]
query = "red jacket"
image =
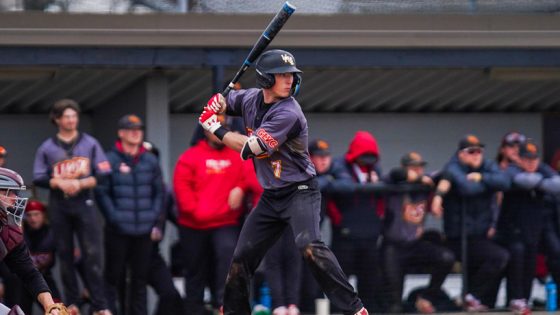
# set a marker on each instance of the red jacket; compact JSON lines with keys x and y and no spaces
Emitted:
{"x":202,"y":182}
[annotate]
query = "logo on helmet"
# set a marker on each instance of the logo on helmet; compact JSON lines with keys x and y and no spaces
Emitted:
{"x":288,"y":59}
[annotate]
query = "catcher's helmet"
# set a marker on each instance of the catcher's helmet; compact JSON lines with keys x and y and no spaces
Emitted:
{"x":12,"y":206}
{"x":277,"y":61}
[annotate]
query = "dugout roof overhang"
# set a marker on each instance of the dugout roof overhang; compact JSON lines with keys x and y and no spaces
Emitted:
{"x":363,"y":63}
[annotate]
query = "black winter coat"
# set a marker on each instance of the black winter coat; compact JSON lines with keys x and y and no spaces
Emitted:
{"x":477,"y":196}
{"x":131,"y":196}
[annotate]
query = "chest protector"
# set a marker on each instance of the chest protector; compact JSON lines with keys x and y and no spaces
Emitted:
{"x":10,"y":237}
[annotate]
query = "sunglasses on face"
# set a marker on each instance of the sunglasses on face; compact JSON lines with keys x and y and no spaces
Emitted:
{"x":473,"y":150}
{"x":515,"y":139}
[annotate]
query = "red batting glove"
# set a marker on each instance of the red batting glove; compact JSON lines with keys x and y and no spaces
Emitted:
{"x":208,"y":120}
{"x":217,"y":104}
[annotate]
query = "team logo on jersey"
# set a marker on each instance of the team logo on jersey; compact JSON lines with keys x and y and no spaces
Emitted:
{"x":288,"y":59}
{"x":413,"y":212}
{"x":268,"y":139}
{"x":217,"y":166}
{"x":73,"y":168}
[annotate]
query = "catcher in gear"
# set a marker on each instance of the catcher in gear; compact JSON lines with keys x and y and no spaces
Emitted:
{"x":13,"y":250}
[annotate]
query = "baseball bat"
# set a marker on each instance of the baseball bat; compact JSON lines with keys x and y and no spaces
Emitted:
{"x":267,"y":36}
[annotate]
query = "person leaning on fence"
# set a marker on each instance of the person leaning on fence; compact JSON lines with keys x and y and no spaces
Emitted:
{"x":403,"y":227}
{"x":508,"y":152}
{"x":131,"y":199}
{"x":474,"y":181}
{"x":522,"y":222}
{"x":357,"y":217}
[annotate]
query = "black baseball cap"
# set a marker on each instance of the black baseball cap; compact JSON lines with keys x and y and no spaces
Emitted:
{"x":528,"y":150}
{"x":130,"y":121}
{"x":319,"y":147}
{"x":413,"y":159}
{"x":470,"y":141}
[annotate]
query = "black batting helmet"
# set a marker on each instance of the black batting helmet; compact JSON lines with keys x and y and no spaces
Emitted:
{"x":277,"y":61}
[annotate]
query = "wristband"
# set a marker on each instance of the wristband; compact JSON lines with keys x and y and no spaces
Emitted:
{"x":221,"y":132}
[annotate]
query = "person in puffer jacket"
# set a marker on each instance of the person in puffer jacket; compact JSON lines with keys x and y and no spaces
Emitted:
{"x":131,"y":199}
{"x":210,"y":184}
{"x":357,"y":216}
{"x":523,"y":220}
{"x":474,"y":182}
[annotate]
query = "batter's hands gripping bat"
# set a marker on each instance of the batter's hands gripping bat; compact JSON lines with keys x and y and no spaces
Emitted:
{"x":267,"y":36}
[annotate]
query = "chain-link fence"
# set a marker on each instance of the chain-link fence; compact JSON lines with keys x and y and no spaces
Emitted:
{"x":304,"y":6}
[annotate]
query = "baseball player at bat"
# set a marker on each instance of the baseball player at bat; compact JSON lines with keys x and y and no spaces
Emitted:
{"x":276,"y":140}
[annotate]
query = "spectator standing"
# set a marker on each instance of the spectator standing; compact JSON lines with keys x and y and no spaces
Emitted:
{"x":403,"y":246}
{"x":357,"y":217}
{"x":282,"y":271}
{"x":474,"y":182}
{"x":522,"y":221}
{"x":68,"y":165}
{"x":131,"y":199}
{"x":209,"y":188}
{"x":277,"y":143}
{"x":159,"y":274}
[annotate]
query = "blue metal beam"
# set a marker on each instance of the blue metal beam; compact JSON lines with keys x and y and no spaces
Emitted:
{"x":198,"y":57}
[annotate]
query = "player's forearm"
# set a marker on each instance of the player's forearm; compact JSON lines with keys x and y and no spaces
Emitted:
{"x":234,"y":140}
{"x":45,"y":299}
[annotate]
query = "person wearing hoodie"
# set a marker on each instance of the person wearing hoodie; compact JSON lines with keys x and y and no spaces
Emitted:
{"x":131,"y":200}
{"x":522,"y":221}
{"x":210,"y":182}
{"x":474,"y":182}
{"x":357,"y":215}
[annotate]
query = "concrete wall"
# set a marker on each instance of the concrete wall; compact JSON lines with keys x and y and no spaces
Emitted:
{"x":21,"y":135}
{"x":434,"y":136}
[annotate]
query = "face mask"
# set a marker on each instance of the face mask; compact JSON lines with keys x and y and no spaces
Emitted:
{"x":368,"y":160}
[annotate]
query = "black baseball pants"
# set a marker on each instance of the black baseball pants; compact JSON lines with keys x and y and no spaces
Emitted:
{"x":298,"y":206}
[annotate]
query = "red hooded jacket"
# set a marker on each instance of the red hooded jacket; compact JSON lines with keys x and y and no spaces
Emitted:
{"x":363,"y":143}
{"x":202,"y":182}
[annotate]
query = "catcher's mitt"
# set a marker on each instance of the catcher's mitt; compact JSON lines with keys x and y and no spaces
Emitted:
{"x":57,"y":306}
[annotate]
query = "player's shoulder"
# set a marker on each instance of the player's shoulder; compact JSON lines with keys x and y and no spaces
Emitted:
{"x":288,"y":107}
{"x":88,"y":138}
{"x":246,"y":94}
{"x":49,"y":142}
